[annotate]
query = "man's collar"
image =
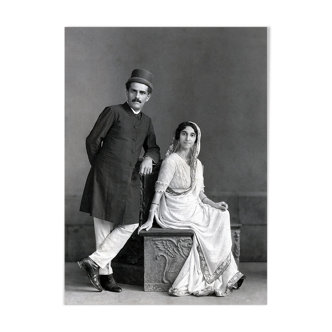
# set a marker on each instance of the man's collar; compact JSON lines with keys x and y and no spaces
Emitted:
{"x":135,"y":112}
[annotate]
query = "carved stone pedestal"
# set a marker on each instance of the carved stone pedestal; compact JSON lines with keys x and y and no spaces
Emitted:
{"x":166,"y":250}
{"x":235,"y":231}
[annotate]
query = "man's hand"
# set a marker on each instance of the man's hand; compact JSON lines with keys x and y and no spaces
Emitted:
{"x":146,"y":166}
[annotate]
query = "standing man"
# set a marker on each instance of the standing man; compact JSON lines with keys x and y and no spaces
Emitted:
{"x":112,"y":190}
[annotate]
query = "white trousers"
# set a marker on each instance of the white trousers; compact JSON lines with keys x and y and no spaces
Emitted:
{"x":109,"y":241}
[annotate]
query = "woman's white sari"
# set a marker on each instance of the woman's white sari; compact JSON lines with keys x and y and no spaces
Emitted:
{"x":181,"y":208}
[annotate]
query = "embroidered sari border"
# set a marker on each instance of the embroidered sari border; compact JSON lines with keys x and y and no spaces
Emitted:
{"x":210,"y":278}
{"x":177,"y":292}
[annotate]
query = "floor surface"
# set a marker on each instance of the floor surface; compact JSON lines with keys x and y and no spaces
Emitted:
{"x":79,"y":291}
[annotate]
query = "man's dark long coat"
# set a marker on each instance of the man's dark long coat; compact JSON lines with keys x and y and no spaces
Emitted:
{"x":112,"y":189}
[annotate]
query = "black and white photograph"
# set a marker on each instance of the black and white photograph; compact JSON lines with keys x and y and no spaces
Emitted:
{"x":166,"y":165}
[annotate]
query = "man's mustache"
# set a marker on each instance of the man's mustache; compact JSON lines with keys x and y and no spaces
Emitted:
{"x":136,"y":99}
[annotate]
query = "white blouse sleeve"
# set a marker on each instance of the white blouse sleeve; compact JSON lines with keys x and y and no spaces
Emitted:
{"x":166,"y":174}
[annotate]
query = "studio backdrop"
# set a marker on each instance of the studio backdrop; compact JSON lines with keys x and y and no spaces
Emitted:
{"x":216,"y":77}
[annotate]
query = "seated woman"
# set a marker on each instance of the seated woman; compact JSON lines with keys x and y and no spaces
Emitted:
{"x":180,"y":203}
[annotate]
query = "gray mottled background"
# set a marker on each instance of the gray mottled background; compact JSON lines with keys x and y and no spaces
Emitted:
{"x":216,"y":77}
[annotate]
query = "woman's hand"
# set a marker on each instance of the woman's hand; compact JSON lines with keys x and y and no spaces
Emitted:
{"x":146,"y":225}
{"x":222,"y":206}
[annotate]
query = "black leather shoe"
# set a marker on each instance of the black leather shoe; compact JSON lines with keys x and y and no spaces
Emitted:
{"x":92,"y":270}
{"x":240,"y":281}
{"x":109,"y":284}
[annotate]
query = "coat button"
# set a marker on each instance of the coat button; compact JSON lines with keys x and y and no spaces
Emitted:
{"x":134,"y":139}
{"x":135,"y":127}
{"x":133,"y":151}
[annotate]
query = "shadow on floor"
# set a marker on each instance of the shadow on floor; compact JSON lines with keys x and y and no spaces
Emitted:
{"x":79,"y":291}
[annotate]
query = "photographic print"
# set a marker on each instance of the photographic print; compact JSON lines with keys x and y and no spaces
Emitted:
{"x":166,"y":165}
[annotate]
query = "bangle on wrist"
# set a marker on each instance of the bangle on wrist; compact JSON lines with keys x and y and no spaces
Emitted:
{"x":203,"y":199}
{"x":152,"y":211}
{"x":155,"y":203}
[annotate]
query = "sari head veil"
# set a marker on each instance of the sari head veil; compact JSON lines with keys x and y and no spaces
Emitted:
{"x":193,"y":158}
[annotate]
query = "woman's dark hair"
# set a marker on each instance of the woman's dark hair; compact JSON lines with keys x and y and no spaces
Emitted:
{"x":182,"y":126}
